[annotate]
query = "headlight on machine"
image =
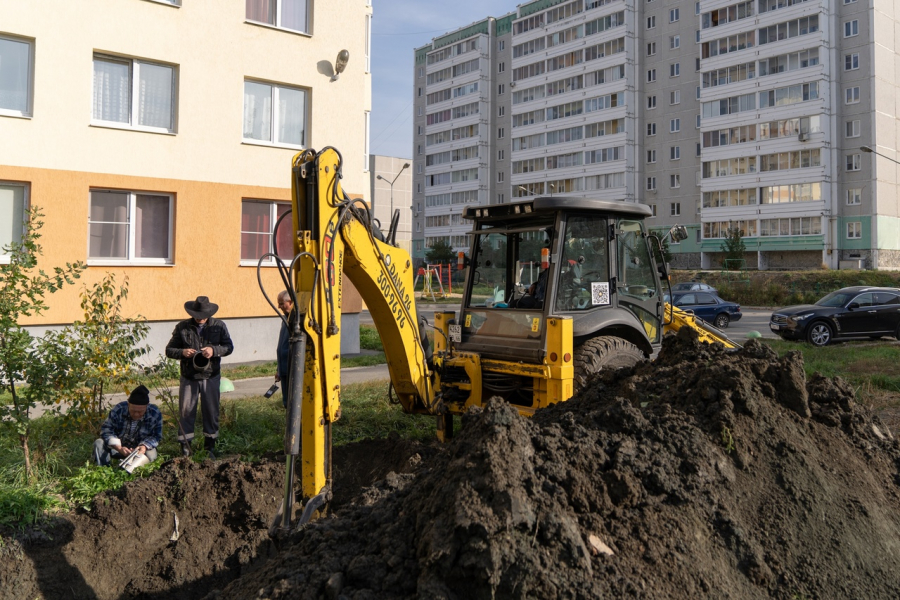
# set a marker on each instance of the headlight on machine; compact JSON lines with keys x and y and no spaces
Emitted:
{"x":798,"y":318}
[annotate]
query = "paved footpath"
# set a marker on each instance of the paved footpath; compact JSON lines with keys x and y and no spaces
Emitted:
{"x":256,"y":386}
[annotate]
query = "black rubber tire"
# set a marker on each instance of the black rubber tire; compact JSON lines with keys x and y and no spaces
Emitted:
{"x":819,"y":334}
{"x":603,"y":352}
{"x":721,"y":321}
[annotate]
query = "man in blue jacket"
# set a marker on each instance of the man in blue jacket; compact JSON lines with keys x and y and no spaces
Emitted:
{"x":134,"y":424}
{"x":199,"y":343}
{"x":283,"y":350}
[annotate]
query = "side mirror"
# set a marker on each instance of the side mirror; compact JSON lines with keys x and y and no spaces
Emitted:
{"x":853,"y":306}
{"x":476,"y":279}
{"x":679,"y":233}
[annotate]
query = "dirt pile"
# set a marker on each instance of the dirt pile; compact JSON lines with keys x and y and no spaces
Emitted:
{"x":704,"y":474}
{"x":123,"y":547}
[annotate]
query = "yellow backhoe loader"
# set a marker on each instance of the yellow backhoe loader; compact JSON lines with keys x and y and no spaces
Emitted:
{"x":556,"y":290}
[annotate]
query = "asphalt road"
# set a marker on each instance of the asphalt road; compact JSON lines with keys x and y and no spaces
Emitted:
{"x":753,"y":319}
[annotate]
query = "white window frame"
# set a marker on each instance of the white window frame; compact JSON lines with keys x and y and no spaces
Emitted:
{"x":674,"y":125}
{"x":274,"y":119}
{"x":134,"y":67}
{"x":854,"y":162}
{"x":852,"y":128}
{"x":277,"y":24}
{"x":854,"y":230}
{"x":367,"y":117}
{"x":368,"y":43}
{"x":651,"y":128}
{"x":674,"y":42}
{"x":675,"y":97}
{"x":675,"y":209}
{"x":651,"y":48}
{"x":675,"y":70}
{"x":651,"y":183}
{"x":651,"y":156}
{"x":29,"y":85}
{"x":851,"y":28}
{"x":651,"y":22}
{"x":651,"y":75}
{"x":129,"y":254}
{"x":26,"y":190}
{"x":651,"y":102}
{"x":854,"y":196}
{"x":674,"y":183}
{"x":652,"y":210}
{"x":674,"y":15}
{"x":852,"y":60}
{"x":852,"y":94}
{"x":675,"y":153}
{"x":273,"y":217}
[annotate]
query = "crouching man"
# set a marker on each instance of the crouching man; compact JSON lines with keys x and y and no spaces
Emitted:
{"x":132,"y":425}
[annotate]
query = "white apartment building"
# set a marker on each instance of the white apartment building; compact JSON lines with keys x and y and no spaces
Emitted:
{"x":717,"y":114}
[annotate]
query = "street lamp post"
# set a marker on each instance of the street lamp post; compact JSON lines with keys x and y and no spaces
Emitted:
{"x":867,"y":149}
{"x":390,"y":183}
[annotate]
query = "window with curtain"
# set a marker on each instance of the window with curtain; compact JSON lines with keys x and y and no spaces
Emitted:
{"x":258,"y":218}
{"x":130,"y":226}
{"x":12,"y":216}
{"x":16,"y":66}
{"x":289,"y":14}
{"x":134,"y":93}
{"x":274,"y":114}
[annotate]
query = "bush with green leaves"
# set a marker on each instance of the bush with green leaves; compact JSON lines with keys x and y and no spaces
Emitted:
{"x":29,"y":366}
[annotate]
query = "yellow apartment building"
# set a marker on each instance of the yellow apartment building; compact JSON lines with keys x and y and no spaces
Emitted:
{"x":156,"y":137}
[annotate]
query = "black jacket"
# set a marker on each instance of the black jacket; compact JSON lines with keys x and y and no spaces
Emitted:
{"x":215,"y":335}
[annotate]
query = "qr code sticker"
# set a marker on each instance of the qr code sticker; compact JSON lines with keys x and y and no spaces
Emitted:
{"x":599,"y":293}
{"x":455,"y":333}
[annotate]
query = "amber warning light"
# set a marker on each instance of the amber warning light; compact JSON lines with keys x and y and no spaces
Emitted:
{"x":545,"y":258}
{"x":460,"y":260}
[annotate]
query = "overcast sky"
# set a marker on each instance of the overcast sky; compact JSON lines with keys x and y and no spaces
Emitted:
{"x":398,"y":27}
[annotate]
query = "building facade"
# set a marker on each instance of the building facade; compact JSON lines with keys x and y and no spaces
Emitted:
{"x":719,"y":115}
{"x":156,"y":138}
{"x":391,"y":191}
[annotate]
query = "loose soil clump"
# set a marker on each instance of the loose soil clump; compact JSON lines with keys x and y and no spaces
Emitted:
{"x":703,"y":474}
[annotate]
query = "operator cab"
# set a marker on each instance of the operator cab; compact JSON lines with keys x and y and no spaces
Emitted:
{"x":530,"y":261}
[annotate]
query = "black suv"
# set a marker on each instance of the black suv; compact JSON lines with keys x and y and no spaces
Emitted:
{"x":852,"y":312}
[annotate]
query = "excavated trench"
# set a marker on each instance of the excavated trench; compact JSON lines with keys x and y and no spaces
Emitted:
{"x":702,"y":474}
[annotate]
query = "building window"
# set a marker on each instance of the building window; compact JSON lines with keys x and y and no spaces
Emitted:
{"x":501,"y":44}
{"x":130,"y":226}
{"x":419,"y":129}
{"x":500,"y":177}
{"x":16,"y":76}
{"x":651,"y":102}
{"x":674,"y":181}
{"x":366,"y":115}
{"x":500,"y":154}
{"x":698,"y":148}
{"x":286,"y":14}
{"x":854,"y":162}
{"x":651,"y":22}
{"x":274,"y":114}
{"x":697,"y":64}
{"x":12,"y":216}
{"x":675,"y":70}
{"x":675,"y":97}
{"x":418,"y":188}
{"x":499,"y":198}
{"x":501,"y":89}
{"x":851,"y":61}
{"x":651,"y":48}
{"x":368,"y":42}
{"x":501,"y":111}
{"x":851,"y":95}
{"x":674,"y":42}
{"x":651,"y":75}
{"x":651,"y":128}
{"x":258,"y":218}
{"x":652,"y":210}
{"x":651,"y":156}
{"x":500,"y":133}
{"x":421,"y":72}
{"x":501,"y":67}
{"x":853,"y":128}
{"x":674,"y":15}
{"x":419,"y":149}
{"x":134,"y":94}
{"x":854,"y":230}
{"x":419,"y":111}
{"x":851,"y":28}
{"x":849,"y":1}
{"x":854,"y":196}
{"x":675,"y":209}
{"x":651,"y":183}
{"x":674,"y":125}
{"x":696,"y":8}
{"x":419,"y":168}
{"x":675,"y":153}
{"x":420,"y":92}
{"x":698,"y":122}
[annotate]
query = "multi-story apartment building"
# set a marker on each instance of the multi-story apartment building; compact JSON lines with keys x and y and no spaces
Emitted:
{"x":391,"y":191}
{"x":156,"y":137}
{"x":718,"y":114}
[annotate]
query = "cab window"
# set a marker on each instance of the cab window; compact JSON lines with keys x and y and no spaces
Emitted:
{"x":583,"y":281}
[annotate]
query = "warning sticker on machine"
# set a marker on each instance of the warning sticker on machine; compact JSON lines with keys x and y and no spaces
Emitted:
{"x":455,"y":333}
{"x":599,"y":292}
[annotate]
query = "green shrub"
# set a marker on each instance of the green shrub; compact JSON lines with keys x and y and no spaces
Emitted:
{"x":21,"y":506}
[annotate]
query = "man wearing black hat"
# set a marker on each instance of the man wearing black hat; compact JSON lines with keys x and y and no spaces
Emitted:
{"x":134,"y":424}
{"x":199,"y":343}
